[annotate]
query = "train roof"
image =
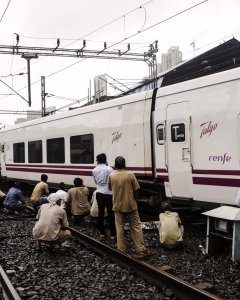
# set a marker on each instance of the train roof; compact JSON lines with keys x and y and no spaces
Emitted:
{"x":218,"y":59}
{"x":212,"y":79}
{"x":81,"y":110}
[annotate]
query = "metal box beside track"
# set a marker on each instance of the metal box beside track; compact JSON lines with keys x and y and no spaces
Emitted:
{"x":223,"y":231}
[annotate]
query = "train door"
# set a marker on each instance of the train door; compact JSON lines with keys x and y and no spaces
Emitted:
{"x":178,"y":148}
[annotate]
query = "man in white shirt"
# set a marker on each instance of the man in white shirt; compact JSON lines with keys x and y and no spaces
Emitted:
{"x":63,"y":194}
{"x":103,"y":194}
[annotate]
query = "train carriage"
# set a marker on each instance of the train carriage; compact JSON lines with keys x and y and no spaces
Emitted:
{"x":65,"y":145}
{"x":197,"y":150}
{"x":181,"y":140}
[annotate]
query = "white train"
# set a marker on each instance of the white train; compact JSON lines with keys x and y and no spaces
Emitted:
{"x":184,"y":137}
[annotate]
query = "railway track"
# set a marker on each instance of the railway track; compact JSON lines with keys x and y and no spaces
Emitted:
{"x":161,"y":279}
{"x":152,"y":269}
{"x":7,"y":291}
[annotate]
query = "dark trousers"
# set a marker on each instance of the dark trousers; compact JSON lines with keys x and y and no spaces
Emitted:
{"x":78,"y":219}
{"x":105,"y":200}
{"x":17,"y":207}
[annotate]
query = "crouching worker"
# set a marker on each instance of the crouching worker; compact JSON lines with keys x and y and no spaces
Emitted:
{"x":14,"y":199}
{"x":170,"y":228}
{"x":2,"y":197}
{"x":40,"y":192}
{"x":78,"y":200}
{"x":51,"y":224}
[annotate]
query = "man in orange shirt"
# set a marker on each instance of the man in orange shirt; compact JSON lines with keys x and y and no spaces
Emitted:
{"x":124,"y":186}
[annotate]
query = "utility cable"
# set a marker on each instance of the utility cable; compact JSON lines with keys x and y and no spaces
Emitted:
{"x":69,"y":66}
{"x":117,"y":81}
{"x":101,"y":27}
{"x":145,"y":18}
{"x":5,"y":10}
{"x":177,"y":14}
{"x":13,"y":90}
{"x":106,"y":24}
{"x":68,"y":105}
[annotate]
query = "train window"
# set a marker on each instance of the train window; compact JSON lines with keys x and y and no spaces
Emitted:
{"x":19,"y":152}
{"x":160,"y":134}
{"x":178,"y":132}
{"x":81,"y":149}
{"x":55,"y":150}
{"x":35,"y":151}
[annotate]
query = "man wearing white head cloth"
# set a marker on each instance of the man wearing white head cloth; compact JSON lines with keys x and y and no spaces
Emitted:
{"x":52,"y":222}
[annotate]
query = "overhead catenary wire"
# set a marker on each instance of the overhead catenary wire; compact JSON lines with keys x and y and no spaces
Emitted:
{"x":84,"y":36}
{"x":108,"y":23}
{"x":19,"y":112}
{"x":5,"y":11}
{"x":60,"y":97}
{"x":13,"y":90}
{"x":68,"y":105}
{"x":133,"y":35}
{"x":12,"y":75}
{"x":115,"y":80}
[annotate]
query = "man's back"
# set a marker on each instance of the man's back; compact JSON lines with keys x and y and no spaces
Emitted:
{"x":100,"y":174}
{"x":79,"y":200}
{"x":39,"y":190}
{"x":13,"y":196}
{"x":123,"y":184}
{"x":170,"y":228}
{"x":50,"y":218}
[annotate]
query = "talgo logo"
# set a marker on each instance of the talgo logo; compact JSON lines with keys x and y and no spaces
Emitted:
{"x":208,"y":128}
{"x":116,"y":136}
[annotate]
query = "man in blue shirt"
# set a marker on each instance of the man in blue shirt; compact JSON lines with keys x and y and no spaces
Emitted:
{"x":14,"y":198}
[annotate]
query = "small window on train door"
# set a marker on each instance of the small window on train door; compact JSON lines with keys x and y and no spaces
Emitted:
{"x":19,"y":153}
{"x":81,"y":149}
{"x":35,"y":151}
{"x":160,"y":134}
{"x":56,"y":151}
{"x":178,"y":132}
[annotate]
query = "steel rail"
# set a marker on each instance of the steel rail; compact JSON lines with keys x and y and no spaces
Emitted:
{"x":180,"y":288}
{"x":7,"y":291}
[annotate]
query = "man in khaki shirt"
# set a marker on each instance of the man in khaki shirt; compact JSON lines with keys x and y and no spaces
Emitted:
{"x":2,"y":197}
{"x":78,"y":199}
{"x":124,"y":186}
{"x":170,"y":227}
{"x":40,"y":192}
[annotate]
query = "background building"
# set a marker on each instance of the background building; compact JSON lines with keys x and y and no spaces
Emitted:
{"x":35,"y":114}
{"x":170,"y":59}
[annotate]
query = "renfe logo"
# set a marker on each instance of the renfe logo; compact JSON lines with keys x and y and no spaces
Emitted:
{"x":208,"y":128}
{"x":220,"y":158}
{"x":116,"y":136}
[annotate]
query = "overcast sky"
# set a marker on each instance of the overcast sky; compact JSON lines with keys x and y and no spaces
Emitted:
{"x":41,"y":22}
